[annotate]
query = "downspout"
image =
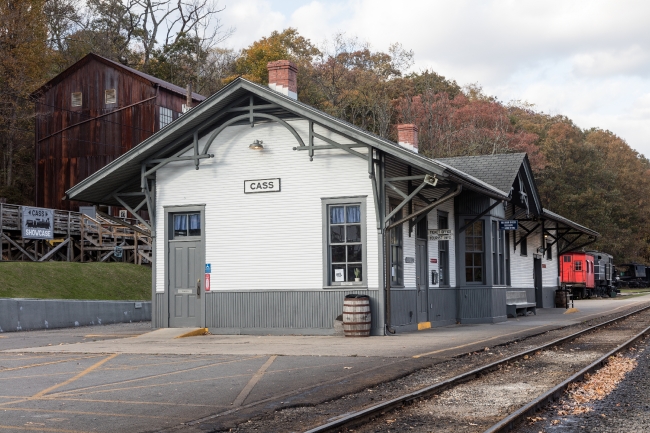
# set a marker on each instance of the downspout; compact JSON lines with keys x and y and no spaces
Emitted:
{"x":387,"y":267}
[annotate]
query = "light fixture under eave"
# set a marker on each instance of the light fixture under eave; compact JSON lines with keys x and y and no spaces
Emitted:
{"x":256,"y":145}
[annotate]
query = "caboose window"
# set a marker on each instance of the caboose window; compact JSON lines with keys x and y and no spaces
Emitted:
{"x":567,"y":259}
{"x":578,"y":265}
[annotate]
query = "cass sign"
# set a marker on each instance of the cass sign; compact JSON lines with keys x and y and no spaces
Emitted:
{"x":38,"y":223}
{"x":262,"y":185}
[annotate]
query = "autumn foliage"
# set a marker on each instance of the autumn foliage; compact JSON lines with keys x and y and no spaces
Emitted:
{"x":591,"y":176}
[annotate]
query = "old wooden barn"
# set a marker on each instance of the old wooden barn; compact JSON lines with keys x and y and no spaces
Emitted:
{"x":90,"y":114}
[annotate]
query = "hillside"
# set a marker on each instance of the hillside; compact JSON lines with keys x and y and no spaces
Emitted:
{"x":63,"y":280}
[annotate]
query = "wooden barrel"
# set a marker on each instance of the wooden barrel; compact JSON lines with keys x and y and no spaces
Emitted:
{"x":356,"y":316}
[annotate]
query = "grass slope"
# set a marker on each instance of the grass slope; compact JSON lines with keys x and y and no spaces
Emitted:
{"x":62,"y":280}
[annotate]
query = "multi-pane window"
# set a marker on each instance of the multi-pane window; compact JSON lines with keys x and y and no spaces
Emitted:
{"x":474,"y":252}
{"x":498,"y":256}
{"x":443,"y":252}
{"x":345,"y":244}
{"x":166,"y":117}
{"x":507,"y":240}
{"x":578,"y":265}
{"x":110,"y":96}
{"x":187,"y":224}
{"x":567,"y":259}
{"x":396,"y":251}
{"x":76,"y":99}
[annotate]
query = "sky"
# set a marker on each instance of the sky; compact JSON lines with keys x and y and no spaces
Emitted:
{"x":588,"y":60}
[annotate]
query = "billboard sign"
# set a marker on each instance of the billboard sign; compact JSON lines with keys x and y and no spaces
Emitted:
{"x":38,"y":223}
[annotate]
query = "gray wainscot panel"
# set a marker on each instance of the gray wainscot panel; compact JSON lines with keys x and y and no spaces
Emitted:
{"x":442,"y":307}
{"x":482,"y":305}
{"x":33,"y":314}
{"x":281,"y":311}
{"x":403,"y":303}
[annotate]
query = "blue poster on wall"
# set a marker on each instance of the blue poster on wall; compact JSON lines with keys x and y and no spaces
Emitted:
{"x":208,"y":268}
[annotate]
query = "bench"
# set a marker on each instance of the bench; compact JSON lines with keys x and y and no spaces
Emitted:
{"x":516,"y":301}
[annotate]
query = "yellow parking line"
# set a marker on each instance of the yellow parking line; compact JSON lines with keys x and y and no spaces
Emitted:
{"x":149,"y":377}
{"x":78,"y":376}
{"x":46,"y":363}
{"x":44,"y":429}
{"x":78,"y":412}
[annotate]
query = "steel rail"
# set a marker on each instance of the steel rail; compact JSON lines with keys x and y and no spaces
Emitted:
{"x":359,"y":417}
{"x":514,"y":419}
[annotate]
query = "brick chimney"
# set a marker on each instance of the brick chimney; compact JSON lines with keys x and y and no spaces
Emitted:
{"x":282,"y":77}
{"x":407,"y":136}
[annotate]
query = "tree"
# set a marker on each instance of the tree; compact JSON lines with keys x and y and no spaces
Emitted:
{"x":23,"y":63}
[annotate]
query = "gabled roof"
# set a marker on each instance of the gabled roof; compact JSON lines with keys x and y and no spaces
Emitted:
{"x":140,"y":75}
{"x":126,"y":169}
{"x":560,"y":219}
{"x":500,"y":170}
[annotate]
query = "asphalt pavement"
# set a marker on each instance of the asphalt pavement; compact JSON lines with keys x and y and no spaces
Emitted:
{"x":129,"y":378}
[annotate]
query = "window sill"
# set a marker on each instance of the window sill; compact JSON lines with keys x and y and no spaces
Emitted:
{"x":348,"y":286}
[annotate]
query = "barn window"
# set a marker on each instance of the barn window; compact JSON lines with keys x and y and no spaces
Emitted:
{"x":166,"y":117}
{"x":578,"y":265}
{"x":110,"y":96}
{"x":76,"y":99}
{"x":396,"y":251}
{"x":474,"y":252}
{"x":345,"y":242}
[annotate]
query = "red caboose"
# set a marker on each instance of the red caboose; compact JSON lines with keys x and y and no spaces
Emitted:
{"x":577,"y":273}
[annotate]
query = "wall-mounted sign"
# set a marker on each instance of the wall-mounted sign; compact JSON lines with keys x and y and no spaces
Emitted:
{"x":38,"y":223}
{"x":262,"y":185}
{"x":208,"y":268}
{"x":508,"y":225}
{"x":441,"y":234}
{"x":433,"y":260}
{"x":207,"y":282}
{"x":409,"y":259}
{"x":117,"y":252}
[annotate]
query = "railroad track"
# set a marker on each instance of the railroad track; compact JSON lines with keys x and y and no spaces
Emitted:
{"x":562,"y":361}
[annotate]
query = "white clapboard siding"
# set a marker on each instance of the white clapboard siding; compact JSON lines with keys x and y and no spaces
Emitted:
{"x":522,"y":267}
{"x":433,"y":245}
{"x":268,"y":241}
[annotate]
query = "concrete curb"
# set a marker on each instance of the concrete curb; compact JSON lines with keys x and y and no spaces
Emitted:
{"x":33,"y":314}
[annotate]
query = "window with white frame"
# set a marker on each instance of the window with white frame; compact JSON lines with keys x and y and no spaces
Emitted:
{"x":166,"y":116}
{"x":77,"y":99}
{"x":345,"y":242}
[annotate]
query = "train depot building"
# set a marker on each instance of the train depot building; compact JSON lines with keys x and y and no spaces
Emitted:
{"x":267,"y":212}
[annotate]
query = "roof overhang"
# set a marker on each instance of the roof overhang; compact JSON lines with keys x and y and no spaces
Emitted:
{"x":124,"y":172}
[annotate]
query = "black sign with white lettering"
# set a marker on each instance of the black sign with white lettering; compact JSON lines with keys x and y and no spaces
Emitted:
{"x":261,"y":185}
{"x":38,"y":223}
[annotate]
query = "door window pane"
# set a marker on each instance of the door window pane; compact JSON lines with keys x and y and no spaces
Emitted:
{"x":187,"y":225}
